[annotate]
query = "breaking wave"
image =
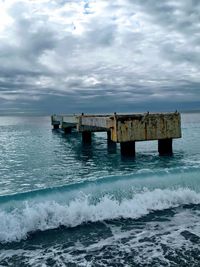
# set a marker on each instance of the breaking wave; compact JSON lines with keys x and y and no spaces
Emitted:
{"x":30,"y":216}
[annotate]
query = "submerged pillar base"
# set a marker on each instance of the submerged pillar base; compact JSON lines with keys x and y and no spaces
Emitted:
{"x":67,"y":130}
{"x":128,"y":149}
{"x":86,"y":137}
{"x":165,"y":147}
{"x":56,"y":126}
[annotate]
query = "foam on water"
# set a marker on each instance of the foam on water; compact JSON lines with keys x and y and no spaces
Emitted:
{"x":160,"y":240}
{"x":29,"y":217}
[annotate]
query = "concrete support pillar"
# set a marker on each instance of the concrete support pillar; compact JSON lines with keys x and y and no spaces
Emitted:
{"x":55,"y":126}
{"x":128,"y":149}
{"x":67,"y":130}
{"x":86,"y":137}
{"x":112,"y":146}
{"x":165,"y":147}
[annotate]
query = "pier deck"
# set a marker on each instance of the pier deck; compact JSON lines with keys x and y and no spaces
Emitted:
{"x":125,"y":129}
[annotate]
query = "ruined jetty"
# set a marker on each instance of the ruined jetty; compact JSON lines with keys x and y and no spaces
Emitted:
{"x":125,"y":129}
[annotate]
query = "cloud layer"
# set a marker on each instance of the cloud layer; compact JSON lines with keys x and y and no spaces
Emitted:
{"x":99,"y":56}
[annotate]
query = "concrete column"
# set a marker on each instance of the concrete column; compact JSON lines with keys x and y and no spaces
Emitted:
{"x":87,"y":137}
{"x":128,"y":149}
{"x":67,"y":130}
{"x":55,"y":126}
{"x":165,"y":147}
{"x":112,"y":146}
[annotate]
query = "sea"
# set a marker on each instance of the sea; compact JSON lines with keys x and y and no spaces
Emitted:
{"x":65,"y":203}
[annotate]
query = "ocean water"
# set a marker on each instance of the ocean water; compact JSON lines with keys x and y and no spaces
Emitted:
{"x":63,"y":203}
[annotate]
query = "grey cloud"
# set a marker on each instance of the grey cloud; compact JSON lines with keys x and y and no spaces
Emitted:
{"x":119,"y":61}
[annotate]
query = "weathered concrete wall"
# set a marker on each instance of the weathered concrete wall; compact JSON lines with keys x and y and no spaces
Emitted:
{"x":70,"y":119}
{"x":126,"y":128}
{"x":93,"y":123}
{"x":142,"y":127}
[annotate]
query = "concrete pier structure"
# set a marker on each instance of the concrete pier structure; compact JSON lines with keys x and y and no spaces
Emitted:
{"x":112,"y":146}
{"x":125,"y":129}
{"x":87,"y":137}
{"x":54,"y":122}
{"x":165,"y":147}
{"x":128,"y":148}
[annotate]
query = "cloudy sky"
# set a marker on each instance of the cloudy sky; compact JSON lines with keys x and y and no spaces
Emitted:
{"x":99,"y":55}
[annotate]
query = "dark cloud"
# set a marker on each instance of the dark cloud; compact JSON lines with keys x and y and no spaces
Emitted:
{"x":93,"y":56}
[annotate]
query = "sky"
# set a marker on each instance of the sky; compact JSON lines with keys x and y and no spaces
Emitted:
{"x":99,"y":56}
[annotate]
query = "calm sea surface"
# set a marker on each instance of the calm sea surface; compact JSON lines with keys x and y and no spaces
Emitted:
{"x":66,"y":204}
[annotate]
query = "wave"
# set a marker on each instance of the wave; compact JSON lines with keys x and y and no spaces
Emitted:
{"x":31,"y":216}
{"x":168,"y":178}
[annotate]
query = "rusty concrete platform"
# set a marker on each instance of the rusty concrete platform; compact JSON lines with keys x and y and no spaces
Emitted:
{"x":125,"y":129}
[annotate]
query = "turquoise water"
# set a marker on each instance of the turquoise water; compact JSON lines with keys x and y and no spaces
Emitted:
{"x":63,"y":203}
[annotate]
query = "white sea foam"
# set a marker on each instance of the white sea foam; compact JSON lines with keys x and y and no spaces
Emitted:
{"x":31,"y":216}
{"x":157,"y":241}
